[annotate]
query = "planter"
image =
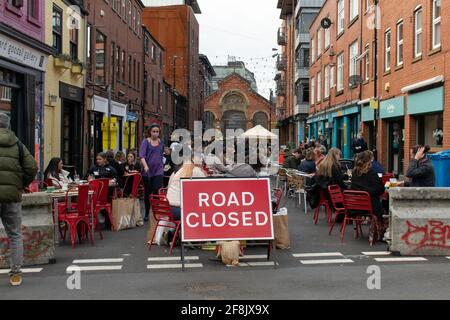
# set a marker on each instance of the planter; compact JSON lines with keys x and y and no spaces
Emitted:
{"x":77,"y":69}
{"x":60,"y":63}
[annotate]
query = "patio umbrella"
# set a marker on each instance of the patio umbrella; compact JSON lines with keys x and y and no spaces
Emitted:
{"x":259,"y":132}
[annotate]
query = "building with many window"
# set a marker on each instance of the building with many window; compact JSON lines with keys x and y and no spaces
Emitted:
{"x":396,"y":101}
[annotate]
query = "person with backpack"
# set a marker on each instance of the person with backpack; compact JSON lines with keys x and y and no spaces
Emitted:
{"x":17,"y":170}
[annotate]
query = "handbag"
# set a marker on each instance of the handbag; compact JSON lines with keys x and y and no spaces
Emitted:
{"x":126,"y":213}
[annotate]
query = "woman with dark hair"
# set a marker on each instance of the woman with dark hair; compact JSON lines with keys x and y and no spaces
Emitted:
{"x":308,"y":165}
{"x":102,"y":169}
{"x":56,"y":173}
{"x":421,"y":170}
{"x":151,"y":155}
{"x":364,"y":178}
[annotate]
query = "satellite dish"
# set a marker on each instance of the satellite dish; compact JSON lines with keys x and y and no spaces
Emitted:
{"x":326,"y":23}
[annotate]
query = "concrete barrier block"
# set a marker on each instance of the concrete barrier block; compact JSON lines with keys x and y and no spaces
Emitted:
{"x":420,"y":221}
{"x":37,"y":230}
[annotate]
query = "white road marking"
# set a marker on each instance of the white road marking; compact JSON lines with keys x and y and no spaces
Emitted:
{"x":401,"y":259}
{"x":256,"y":264}
{"x":93,"y":268}
{"x":255,"y":256}
{"x":314,"y":255}
{"x":174,"y":266}
{"x":327,"y":261}
{"x":86,"y":261}
{"x":376,"y":253}
{"x":172,"y":258}
{"x":29,"y":270}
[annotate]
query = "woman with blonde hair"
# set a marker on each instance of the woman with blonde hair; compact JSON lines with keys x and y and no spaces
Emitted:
{"x":191,"y":168}
{"x":329,"y":171}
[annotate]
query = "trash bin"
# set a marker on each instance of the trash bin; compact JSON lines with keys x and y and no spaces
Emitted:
{"x":441,"y":163}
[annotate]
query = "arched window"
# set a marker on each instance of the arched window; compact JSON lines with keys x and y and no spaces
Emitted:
{"x":260,"y":118}
{"x":209,"y":120}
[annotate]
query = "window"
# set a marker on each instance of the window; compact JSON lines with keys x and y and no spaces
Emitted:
{"x":313,"y":51}
{"x":57,"y":29}
{"x":340,"y":72}
{"x":353,"y":70}
{"x":387,"y":51}
{"x":154,"y":53}
{"x":418,"y":33}
{"x":306,"y":61}
{"x":153,"y":91}
{"x":319,"y":42}
{"x":354,"y":9}
{"x":130,"y":70}
{"x":159,"y":95}
{"x":327,"y":37}
{"x":123,"y":60}
{"x":100,"y":58}
{"x":366,"y":64}
{"x":117,"y":59}
{"x":341,"y":16}
{"x":332,"y":77}
{"x":129,"y":13}
{"x":138,"y":24}
{"x":430,"y":130}
{"x":367,"y":5}
{"x":74,"y":43}
{"x":124,"y":10}
{"x":112,"y":65}
{"x":306,"y":20}
{"x":326,"y":86}
{"x":88,"y":52}
{"x":313,"y":89}
{"x":33,"y":9}
{"x":436,"y":24}
{"x":134,"y":19}
{"x":319,"y":86}
{"x":400,"y":43}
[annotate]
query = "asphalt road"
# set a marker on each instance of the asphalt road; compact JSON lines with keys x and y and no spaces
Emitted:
{"x":301,"y":273}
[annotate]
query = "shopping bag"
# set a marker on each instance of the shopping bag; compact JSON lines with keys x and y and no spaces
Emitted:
{"x":164,"y":227}
{"x":124,"y":216}
{"x":281,"y":228}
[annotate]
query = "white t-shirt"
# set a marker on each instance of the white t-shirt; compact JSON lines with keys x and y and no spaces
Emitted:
{"x":174,"y":190}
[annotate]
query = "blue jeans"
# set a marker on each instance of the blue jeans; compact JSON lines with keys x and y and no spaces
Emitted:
{"x":176,"y":211}
{"x":11,"y":216}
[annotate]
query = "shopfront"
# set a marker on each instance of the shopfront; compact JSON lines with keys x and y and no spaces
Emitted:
{"x":346,"y":125}
{"x":130,"y":132}
{"x":367,"y":117}
{"x":99,"y":125}
{"x":21,"y":90}
{"x":392,"y":111}
{"x":71,"y":125}
{"x":427,"y":109}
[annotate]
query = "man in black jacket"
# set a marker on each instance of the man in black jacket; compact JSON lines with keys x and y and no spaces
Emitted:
{"x":421,"y":170}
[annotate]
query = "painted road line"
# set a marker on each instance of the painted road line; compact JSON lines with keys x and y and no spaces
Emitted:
{"x":174,"y":266}
{"x":29,"y":270}
{"x":315,"y":255}
{"x":255,"y":256}
{"x":448,"y":258}
{"x":376,"y":253}
{"x":256,"y":264}
{"x":93,"y":268}
{"x":155,"y":259}
{"x":402,"y":259}
{"x":87,"y":261}
{"x":327,"y":261}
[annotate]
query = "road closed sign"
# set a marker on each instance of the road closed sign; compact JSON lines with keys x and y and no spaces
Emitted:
{"x":226,"y":209}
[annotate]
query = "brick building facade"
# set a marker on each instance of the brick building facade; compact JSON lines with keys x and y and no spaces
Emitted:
{"x":411,"y":83}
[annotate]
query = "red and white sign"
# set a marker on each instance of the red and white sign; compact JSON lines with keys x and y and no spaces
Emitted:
{"x":226,"y":209}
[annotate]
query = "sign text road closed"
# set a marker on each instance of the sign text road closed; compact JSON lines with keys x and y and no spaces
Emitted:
{"x":226,"y":209}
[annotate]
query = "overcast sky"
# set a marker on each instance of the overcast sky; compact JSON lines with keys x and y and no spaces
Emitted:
{"x":246,"y":29}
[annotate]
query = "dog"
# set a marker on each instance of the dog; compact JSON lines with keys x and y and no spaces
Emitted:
{"x":229,"y":251}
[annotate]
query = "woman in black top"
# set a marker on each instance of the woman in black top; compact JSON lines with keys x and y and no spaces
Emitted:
{"x":364,"y":178}
{"x":329,"y":171}
{"x":102,"y":169}
{"x":131,"y":166}
{"x":308,"y":165}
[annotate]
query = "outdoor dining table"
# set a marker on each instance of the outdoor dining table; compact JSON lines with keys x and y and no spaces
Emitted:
{"x":61,"y":194}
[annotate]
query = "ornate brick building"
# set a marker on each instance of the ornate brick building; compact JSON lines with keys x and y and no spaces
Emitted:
{"x":236,"y":105}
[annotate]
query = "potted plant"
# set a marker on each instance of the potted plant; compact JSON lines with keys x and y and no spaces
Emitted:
{"x":77,"y":66}
{"x":63,"y":61}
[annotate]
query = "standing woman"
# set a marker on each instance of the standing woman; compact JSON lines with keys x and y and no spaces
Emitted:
{"x":151,"y":155}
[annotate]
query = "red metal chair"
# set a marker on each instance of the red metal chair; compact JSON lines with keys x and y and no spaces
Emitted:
{"x":359,"y":204}
{"x":77,"y":217}
{"x":97,"y":188}
{"x":161,"y":211}
{"x":278,"y":193}
{"x":163,"y":192}
{"x":322,"y":203}
{"x":337,"y":199}
{"x":133,"y":180}
{"x":102,"y":199}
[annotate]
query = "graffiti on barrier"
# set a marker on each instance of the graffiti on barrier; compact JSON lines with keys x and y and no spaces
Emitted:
{"x":434,"y":234}
{"x":35,"y":244}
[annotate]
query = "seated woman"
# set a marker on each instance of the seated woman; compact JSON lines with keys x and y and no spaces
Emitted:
{"x":56,"y":173}
{"x":188,"y":170}
{"x":131,"y":166}
{"x":102,"y":169}
{"x":365,"y":178}
{"x":309,"y":164}
{"x":329,"y":171}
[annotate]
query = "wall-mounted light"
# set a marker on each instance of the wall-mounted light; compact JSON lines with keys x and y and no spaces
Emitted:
{"x":52,"y":99}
